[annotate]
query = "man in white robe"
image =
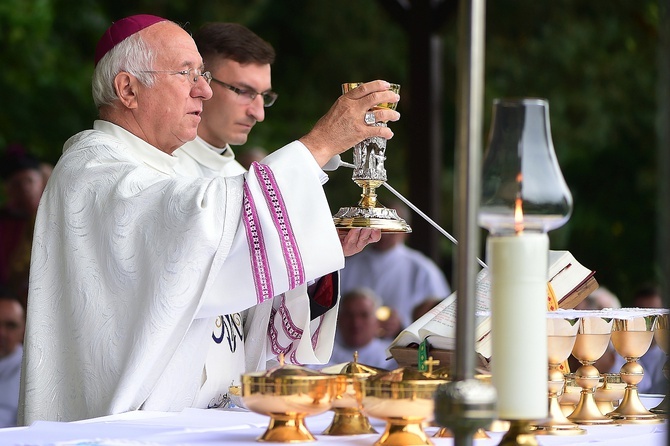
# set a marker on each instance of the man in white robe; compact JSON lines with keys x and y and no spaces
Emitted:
{"x":133,"y":261}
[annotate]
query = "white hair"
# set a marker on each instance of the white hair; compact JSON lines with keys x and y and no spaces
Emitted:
{"x":364,"y":292}
{"x":132,"y":55}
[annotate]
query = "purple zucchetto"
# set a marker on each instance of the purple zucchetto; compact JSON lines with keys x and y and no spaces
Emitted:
{"x":122,"y":29}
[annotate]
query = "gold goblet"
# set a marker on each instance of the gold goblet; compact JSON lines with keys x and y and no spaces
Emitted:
{"x":592,"y":340}
{"x":561,"y":337}
{"x":404,"y":399}
{"x":369,"y":174}
{"x":631,"y":339}
{"x":287,"y":395}
{"x":662,"y":337}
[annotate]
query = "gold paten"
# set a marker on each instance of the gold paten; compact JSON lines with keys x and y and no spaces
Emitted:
{"x":404,"y":399}
{"x":631,"y":339}
{"x":348,"y":418}
{"x":288,"y":394}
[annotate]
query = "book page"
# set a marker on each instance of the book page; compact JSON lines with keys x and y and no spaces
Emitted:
{"x":441,"y":327}
{"x":566,"y":274}
{"x":412,"y":334}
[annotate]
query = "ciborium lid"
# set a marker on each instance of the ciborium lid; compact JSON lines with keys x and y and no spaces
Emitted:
{"x":353,"y":368}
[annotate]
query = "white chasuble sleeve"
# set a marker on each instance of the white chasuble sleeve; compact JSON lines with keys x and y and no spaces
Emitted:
{"x":286,"y":235}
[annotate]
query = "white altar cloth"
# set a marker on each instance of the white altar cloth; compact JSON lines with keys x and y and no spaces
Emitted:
{"x":201,"y":427}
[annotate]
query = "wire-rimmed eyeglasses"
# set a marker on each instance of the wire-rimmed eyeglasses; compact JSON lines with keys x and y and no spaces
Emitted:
{"x":192,"y":74}
{"x":248,"y":96}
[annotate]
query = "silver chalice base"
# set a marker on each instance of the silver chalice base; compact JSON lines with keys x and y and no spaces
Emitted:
{"x":385,"y":219}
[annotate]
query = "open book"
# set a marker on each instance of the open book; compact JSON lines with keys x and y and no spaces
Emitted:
{"x":569,"y":283}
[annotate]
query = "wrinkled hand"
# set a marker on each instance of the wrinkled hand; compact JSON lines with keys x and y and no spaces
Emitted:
{"x":354,"y":240}
{"x":344,"y":125}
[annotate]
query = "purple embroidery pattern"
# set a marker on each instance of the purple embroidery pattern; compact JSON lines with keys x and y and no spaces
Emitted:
{"x":275,"y":202}
{"x":273,"y":334}
{"x":290,"y":351}
{"x":259,"y":261}
{"x":291,"y":330}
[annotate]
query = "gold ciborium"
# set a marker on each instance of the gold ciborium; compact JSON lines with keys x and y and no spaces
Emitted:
{"x":662,"y":337}
{"x":404,"y":399}
{"x":348,"y":418}
{"x":561,"y":337}
{"x":288,"y":394}
{"x":369,"y":174}
{"x":610,"y":393}
{"x":592,"y":340}
{"x":631,"y":339}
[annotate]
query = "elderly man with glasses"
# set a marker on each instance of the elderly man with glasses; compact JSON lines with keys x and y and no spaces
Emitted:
{"x":133,"y":260}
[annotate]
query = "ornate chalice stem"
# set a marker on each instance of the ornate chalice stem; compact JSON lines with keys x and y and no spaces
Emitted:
{"x":592,"y":341}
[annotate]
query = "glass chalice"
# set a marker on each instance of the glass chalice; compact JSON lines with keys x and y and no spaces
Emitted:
{"x":561,"y":337}
{"x":632,"y":338}
{"x":592,"y":340}
{"x":369,"y":174}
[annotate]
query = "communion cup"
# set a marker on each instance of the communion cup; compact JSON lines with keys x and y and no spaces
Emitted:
{"x":369,"y":174}
{"x":592,"y":340}
{"x":404,"y":398}
{"x":561,"y":337}
{"x":288,"y":394}
{"x":632,"y":338}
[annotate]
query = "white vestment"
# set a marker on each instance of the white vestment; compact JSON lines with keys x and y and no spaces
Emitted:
{"x":132,"y":263}
{"x":229,"y":348}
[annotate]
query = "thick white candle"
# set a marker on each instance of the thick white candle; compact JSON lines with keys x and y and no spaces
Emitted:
{"x":519,"y":267}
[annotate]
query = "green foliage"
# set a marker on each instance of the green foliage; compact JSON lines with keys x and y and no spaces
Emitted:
{"x":593,"y":61}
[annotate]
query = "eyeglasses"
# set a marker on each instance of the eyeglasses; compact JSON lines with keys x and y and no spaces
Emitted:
{"x":247,"y":96}
{"x":191,"y":74}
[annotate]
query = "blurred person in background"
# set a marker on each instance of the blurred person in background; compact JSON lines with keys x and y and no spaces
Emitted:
{"x":401,"y":276}
{"x":12,"y":325}
{"x":357,"y":329}
{"x":24,"y":183}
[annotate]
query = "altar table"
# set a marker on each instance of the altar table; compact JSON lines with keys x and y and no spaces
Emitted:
{"x":200,"y":427}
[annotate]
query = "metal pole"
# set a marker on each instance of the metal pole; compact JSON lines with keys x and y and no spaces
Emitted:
{"x":470,"y":96}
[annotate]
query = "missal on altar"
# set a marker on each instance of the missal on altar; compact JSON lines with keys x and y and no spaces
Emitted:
{"x":569,"y":283}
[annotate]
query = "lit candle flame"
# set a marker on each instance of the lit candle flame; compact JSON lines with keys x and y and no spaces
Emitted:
{"x":518,"y":211}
